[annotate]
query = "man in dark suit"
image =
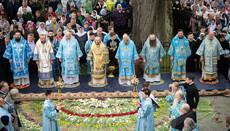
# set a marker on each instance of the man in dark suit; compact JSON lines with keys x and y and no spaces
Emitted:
{"x":191,"y":92}
{"x":12,"y":9}
{"x":178,"y":123}
{"x":100,"y":34}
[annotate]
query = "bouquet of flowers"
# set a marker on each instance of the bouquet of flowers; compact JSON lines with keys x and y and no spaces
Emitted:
{"x":59,"y":85}
{"x":135,"y":81}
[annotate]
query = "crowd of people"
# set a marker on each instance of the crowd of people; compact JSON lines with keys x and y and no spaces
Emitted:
{"x":215,"y":14}
{"x":59,"y":37}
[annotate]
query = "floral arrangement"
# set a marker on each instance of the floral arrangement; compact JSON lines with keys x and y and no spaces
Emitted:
{"x":59,"y":85}
{"x":135,"y":81}
{"x":92,"y":114}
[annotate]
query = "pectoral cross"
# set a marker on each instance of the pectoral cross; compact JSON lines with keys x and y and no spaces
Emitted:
{"x":126,"y":49}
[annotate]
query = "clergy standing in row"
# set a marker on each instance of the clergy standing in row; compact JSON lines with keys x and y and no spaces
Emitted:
{"x":210,"y":51}
{"x":99,"y":57}
{"x":112,"y":45}
{"x":126,"y":54}
{"x":55,"y":45}
{"x":152,"y":54}
{"x":19,"y":54}
{"x":179,"y":51}
{"x":69,"y":54}
{"x":44,"y":56}
{"x":88,"y":45}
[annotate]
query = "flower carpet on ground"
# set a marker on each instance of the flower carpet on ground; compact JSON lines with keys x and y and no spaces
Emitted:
{"x":103,"y":114}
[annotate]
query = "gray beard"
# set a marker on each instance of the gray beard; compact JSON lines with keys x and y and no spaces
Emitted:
{"x":175,"y":103}
{"x":126,"y":42}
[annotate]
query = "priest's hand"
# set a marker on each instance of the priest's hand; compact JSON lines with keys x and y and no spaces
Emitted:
{"x":10,"y":60}
{"x":51,"y":62}
{"x":144,"y":61}
{"x":170,"y":85}
{"x":37,"y":62}
{"x":172,"y":58}
{"x":59,"y":107}
{"x":218,"y":58}
{"x":195,"y":60}
{"x":91,"y":63}
{"x":160,"y":60}
{"x":201,"y":59}
{"x":28,"y":61}
{"x":118,"y":61}
{"x":194,"y":110}
{"x":78,"y":59}
{"x":60,"y":60}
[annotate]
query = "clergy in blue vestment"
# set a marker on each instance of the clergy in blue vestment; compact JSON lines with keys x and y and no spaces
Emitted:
{"x":44,"y":56}
{"x":108,"y":37}
{"x":9,"y":104}
{"x":152,"y":54}
{"x":55,"y":45}
{"x":4,"y":112}
{"x":126,"y":54}
{"x":145,"y":116}
{"x":175,"y":109}
{"x":146,"y":85}
{"x":210,"y":51}
{"x":88,"y":45}
{"x":175,"y":87}
{"x":19,"y":54}
{"x":50,"y":110}
{"x":69,"y":54}
{"x":179,"y":51}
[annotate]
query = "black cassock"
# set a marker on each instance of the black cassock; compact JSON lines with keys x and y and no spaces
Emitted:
{"x":223,"y":63}
{"x":82,"y":40}
{"x":5,"y":74}
{"x":114,"y":45}
{"x":191,"y":65}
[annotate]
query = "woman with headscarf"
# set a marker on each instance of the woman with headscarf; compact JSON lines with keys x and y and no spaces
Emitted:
{"x":59,"y":9}
{"x":20,"y":27}
{"x":69,"y":29}
{"x":106,"y":10}
{"x":41,"y":28}
{"x":82,"y":37}
{"x":30,"y":22}
{"x":94,"y":15}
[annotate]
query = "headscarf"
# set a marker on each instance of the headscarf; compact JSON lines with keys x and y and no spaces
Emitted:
{"x":95,"y":17}
{"x":59,"y":10}
{"x":41,"y":30}
{"x":80,"y":34}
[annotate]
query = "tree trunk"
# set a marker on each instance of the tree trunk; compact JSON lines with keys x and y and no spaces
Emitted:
{"x":151,"y":16}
